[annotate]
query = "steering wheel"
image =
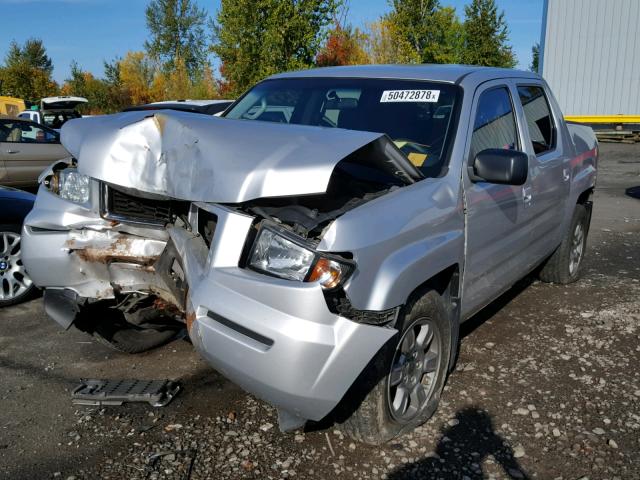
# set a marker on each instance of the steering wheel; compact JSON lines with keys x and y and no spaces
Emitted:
{"x":259,"y":111}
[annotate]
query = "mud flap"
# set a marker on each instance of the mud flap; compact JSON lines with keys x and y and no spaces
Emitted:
{"x":288,"y":421}
{"x":156,"y":393}
{"x":62,"y":306}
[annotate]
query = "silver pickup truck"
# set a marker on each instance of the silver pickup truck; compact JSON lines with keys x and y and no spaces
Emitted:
{"x":323,"y":242}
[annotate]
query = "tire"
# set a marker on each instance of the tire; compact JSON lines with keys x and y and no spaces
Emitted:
{"x":379,"y":417}
{"x":15,"y":285}
{"x":132,"y":340}
{"x":109,"y":326}
{"x":563,"y":266}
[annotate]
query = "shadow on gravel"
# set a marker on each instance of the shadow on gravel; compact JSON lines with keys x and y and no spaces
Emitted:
{"x":633,"y":192}
{"x":494,"y":307}
{"x":461,"y":451}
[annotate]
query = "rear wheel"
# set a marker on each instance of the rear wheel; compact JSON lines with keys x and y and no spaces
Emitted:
{"x":15,"y":284}
{"x":408,"y":375}
{"x":564,"y":265}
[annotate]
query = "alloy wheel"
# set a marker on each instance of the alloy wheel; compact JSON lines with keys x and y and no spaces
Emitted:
{"x":14,"y":280}
{"x":577,"y":249}
{"x":413,"y":376}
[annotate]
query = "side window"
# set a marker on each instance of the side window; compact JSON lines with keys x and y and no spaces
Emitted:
{"x":27,"y":132}
{"x":495,"y":123}
{"x":276,"y":106}
{"x":11,"y":131}
{"x":542,"y":130}
{"x":5,"y":129}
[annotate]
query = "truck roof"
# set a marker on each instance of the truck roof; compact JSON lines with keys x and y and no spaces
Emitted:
{"x":459,"y":74}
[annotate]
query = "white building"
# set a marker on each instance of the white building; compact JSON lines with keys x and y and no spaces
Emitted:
{"x":590,"y":56}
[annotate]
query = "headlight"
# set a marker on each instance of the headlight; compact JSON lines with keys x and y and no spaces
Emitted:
{"x":70,"y":185}
{"x":281,"y":254}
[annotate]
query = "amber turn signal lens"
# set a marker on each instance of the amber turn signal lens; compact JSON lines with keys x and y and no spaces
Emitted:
{"x":52,"y":182}
{"x":326,"y":272}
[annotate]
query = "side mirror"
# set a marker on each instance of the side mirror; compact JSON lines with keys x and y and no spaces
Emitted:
{"x":495,"y":165}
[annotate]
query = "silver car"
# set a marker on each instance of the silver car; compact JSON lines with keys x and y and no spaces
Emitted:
{"x":323,"y":242}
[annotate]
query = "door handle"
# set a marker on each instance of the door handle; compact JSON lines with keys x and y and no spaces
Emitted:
{"x":13,"y":151}
{"x":566,"y":174}
{"x":527,"y":195}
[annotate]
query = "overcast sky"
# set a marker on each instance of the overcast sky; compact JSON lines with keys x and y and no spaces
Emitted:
{"x":91,"y":31}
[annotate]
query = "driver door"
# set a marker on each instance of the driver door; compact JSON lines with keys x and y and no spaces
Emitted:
{"x":497,"y":215}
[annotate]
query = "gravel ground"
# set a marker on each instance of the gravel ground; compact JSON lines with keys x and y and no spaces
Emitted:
{"x":547,"y":386}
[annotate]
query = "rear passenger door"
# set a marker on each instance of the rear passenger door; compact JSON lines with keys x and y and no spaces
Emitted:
{"x":548,"y":171}
{"x":496,"y":215}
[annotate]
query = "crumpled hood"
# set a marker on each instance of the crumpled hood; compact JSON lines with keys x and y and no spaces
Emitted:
{"x":208,"y":159}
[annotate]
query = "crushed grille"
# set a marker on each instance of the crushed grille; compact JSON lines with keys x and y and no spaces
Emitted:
{"x":117,"y":205}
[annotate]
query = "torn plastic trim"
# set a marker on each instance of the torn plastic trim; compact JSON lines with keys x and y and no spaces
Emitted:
{"x":339,"y":302}
{"x":209,"y":159}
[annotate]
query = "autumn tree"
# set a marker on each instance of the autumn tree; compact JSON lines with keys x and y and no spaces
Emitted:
{"x":345,"y":46}
{"x":27,"y":71}
{"x":173,"y":85}
{"x":84,"y":84}
{"x":386,"y":44}
{"x":486,"y":36}
{"x":256,"y":38}
{"x":136,"y":74}
{"x":177,"y":85}
{"x":177,"y":29}
{"x":206,"y":86}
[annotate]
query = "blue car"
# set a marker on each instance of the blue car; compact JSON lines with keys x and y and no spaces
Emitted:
{"x":15,"y":284}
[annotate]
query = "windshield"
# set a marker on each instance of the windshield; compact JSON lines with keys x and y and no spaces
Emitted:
{"x":416,"y":115}
{"x":57,"y":119}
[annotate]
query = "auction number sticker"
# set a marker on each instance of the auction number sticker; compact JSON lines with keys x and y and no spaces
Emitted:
{"x":410,"y":96}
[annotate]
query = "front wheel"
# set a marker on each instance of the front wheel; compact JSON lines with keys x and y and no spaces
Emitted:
{"x":408,"y":375}
{"x":126,"y":333}
{"x":564,"y":264}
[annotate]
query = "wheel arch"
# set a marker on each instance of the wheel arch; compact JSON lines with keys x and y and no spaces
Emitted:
{"x":586,"y":196}
{"x":586,"y":199}
{"x":447,"y":284}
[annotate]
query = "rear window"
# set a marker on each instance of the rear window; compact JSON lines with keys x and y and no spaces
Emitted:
{"x":417,"y":115}
{"x":537,"y":112}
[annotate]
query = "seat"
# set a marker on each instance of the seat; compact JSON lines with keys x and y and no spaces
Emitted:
{"x":351,"y":119}
{"x":277,"y":117}
{"x":15,"y":135}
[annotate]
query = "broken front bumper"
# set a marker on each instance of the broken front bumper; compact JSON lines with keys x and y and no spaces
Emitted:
{"x":275,"y":338}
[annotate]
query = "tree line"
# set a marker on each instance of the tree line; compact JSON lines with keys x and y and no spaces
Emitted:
{"x":252,"y":39}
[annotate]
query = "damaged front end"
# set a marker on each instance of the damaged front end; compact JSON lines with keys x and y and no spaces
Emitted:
{"x":172,"y":220}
